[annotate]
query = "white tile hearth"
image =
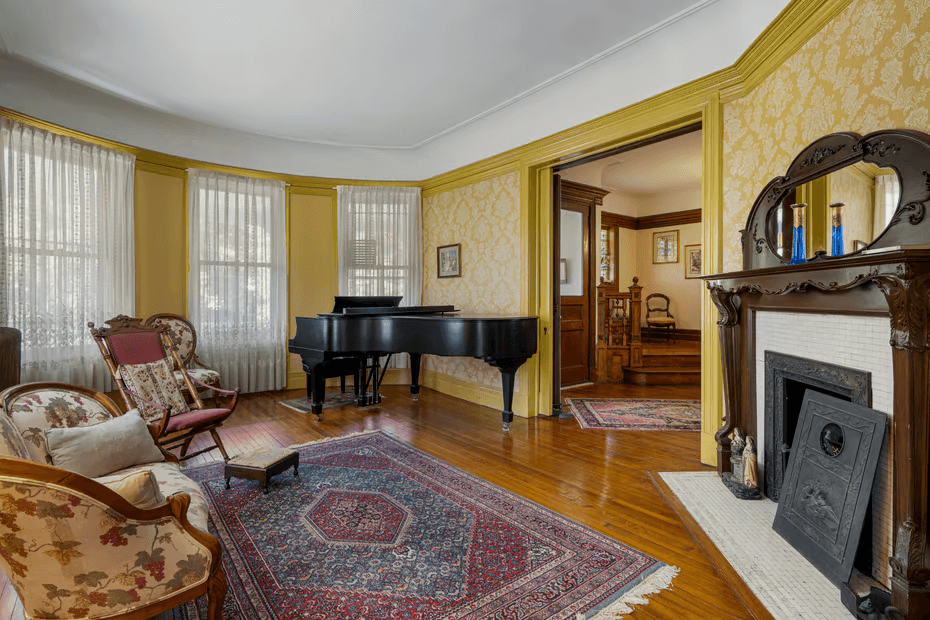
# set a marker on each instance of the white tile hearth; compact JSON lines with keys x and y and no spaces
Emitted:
{"x":781,"y":578}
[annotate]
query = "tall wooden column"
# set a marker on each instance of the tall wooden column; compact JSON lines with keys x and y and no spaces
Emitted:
{"x":907,"y":298}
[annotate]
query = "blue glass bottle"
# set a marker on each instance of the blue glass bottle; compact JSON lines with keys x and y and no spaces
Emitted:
{"x":836,"y":234}
{"x":798,"y":251}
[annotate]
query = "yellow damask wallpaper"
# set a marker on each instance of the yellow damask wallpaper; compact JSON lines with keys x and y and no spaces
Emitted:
{"x":869,"y":69}
{"x":485,"y":218}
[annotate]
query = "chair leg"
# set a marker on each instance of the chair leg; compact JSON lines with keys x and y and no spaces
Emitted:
{"x":219,"y":443}
{"x":186,"y":445}
{"x":216,"y":594}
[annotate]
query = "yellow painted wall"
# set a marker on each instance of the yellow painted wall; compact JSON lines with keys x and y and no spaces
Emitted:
{"x":868,"y":69}
{"x":312,"y":278}
{"x":160,"y":240}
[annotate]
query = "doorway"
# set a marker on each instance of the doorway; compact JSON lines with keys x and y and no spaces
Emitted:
{"x":577,"y":237}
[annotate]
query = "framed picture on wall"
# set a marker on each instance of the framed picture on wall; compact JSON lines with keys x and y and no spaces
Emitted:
{"x":449,"y":261}
{"x":693,"y":265}
{"x":665,"y":247}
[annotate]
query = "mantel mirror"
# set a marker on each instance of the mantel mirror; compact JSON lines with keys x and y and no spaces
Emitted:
{"x":859,"y":194}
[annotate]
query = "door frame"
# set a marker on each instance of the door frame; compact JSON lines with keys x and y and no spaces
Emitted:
{"x":638,"y":123}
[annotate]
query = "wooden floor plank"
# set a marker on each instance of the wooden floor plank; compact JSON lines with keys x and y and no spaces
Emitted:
{"x":598,"y":478}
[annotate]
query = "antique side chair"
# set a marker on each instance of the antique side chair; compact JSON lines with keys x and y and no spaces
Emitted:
{"x":657,"y":304}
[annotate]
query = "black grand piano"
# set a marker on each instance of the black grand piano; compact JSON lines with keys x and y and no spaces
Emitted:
{"x":360,"y":330}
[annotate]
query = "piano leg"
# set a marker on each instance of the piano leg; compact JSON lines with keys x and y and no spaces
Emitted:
{"x":415,"y":375}
{"x":316,"y":391}
{"x":508,"y":370}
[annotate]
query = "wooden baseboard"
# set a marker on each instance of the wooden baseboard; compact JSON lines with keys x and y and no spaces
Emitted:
{"x":739,"y":587}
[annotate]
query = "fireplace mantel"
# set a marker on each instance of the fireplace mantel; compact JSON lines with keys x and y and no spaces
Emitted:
{"x":890,"y":277}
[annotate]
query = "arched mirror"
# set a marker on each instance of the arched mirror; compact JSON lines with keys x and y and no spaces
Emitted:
{"x":866,"y":197}
{"x":858,"y":194}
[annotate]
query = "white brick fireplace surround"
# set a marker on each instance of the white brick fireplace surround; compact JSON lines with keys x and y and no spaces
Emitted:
{"x":854,"y":341}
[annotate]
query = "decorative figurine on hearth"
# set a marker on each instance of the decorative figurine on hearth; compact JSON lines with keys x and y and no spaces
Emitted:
{"x":750,"y":476}
{"x":735,"y":478}
{"x":737,"y":444}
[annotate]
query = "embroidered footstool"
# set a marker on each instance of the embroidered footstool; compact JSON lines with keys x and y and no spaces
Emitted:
{"x":261,"y":465}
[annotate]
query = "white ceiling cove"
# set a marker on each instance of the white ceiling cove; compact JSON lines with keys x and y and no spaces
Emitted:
{"x":354,"y":88}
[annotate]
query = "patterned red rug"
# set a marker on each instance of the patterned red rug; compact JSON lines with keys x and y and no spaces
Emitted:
{"x":375,"y":529}
{"x":633,"y":414}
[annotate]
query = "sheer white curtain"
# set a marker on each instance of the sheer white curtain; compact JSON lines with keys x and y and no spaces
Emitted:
{"x":380,"y":244}
{"x":237,"y":287}
{"x":66,"y":249}
{"x":887,"y":195}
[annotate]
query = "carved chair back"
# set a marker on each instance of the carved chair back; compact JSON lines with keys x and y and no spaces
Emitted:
{"x":657,"y":303}
{"x":182,"y":334}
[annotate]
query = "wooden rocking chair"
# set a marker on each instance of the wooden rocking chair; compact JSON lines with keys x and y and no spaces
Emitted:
{"x":141,"y":359}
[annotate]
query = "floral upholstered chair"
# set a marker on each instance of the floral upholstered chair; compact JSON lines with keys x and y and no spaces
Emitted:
{"x":182,"y":334}
{"x":75,"y":546}
{"x":141,"y":358}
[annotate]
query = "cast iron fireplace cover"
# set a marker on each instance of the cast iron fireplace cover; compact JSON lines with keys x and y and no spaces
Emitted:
{"x":829,"y":480}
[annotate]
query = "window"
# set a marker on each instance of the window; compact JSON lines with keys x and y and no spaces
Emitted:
{"x":379,"y":242}
{"x":237,"y":288}
{"x":66,"y":249}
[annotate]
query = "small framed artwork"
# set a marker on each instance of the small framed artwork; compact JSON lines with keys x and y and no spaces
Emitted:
{"x":665,"y":247}
{"x":693,"y":265}
{"x":563,"y":271}
{"x":449,"y":261}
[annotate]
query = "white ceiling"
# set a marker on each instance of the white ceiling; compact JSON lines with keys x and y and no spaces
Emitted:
{"x":663,"y":166}
{"x":354,"y":88}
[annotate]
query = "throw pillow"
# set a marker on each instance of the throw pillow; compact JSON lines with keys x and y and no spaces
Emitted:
{"x":139,"y":488}
{"x":154,"y":382}
{"x":103,"y":448}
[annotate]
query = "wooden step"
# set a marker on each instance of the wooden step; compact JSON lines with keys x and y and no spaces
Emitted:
{"x":666,"y":375}
{"x":659,"y":361}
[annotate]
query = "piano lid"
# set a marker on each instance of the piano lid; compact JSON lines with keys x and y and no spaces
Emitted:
{"x":367,"y":301}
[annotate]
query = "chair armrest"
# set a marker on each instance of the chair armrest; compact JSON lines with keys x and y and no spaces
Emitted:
{"x":129,"y":557}
{"x":154,"y":431}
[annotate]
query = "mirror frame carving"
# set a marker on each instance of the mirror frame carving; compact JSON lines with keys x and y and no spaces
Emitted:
{"x":903,"y":150}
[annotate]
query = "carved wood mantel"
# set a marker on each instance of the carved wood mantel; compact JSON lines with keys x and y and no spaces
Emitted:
{"x":890,"y":277}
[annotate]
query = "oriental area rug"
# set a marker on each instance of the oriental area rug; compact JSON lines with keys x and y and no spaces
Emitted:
{"x":375,"y":529}
{"x":333,"y":399}
{"x":633,"y":414}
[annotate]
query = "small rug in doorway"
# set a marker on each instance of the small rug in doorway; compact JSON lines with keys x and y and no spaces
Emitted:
{"x":633,"y":414}
{"x":375,"y":529}
{"x":333,"y":399}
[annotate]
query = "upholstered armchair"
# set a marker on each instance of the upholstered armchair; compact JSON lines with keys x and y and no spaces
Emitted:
{"x":182,"y":334}
{"x":74,"y":547}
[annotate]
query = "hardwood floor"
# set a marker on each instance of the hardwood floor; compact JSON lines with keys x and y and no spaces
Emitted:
{"x":598,"y":478}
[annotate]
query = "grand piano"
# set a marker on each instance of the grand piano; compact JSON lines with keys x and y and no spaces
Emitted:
{"x":367,"y":328}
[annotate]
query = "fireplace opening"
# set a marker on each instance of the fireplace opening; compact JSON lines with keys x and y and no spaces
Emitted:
{"x":787,"y":378}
